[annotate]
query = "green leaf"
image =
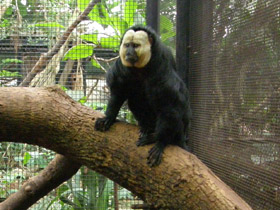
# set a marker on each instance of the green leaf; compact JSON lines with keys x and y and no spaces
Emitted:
{"x":26,"y":158}
{"x":165,"y":24}
{"x":94,"y":63}
{"x":49,"y":25}
{"x":9,"y":11}
{"x":129,"y":11}
{"x":119,"y":24}
{"x":100,"y":14}
{"x":11,"y":60}
{"x":22,"y":9}
{"x":62,"y":188}
{"x":165,"y":36}
{"x":78,"y":52}
{"x":82,"y":4}
{"x":110,"y":42}
{"x":111,"y":6}
{"x":83,"y":100}
{"x":166,"y":28}
{"x":4,"y":23}
{"x":90,"y":37}
{"x":63,"y":88}
{"x":5,"y":73}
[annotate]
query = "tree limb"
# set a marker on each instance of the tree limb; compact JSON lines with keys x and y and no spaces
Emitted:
{"x":60,"y":169}
{"x":48,"y":117}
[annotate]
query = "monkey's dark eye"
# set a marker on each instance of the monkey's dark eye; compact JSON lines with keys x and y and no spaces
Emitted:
{"x":135,"y":45}
{"x":126,"y":45}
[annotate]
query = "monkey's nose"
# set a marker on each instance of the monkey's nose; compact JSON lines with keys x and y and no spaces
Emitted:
{"x":131,"y":59}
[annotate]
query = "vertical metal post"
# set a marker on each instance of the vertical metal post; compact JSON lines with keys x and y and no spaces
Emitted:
{"x":183,"y":38}
{"x":152,"y":14}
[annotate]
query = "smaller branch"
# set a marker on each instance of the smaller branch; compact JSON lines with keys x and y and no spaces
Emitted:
{"x":44,"y":58}
{"x":60,"y":169}
{"x":106,"y":60}
{"x":102,"y":68}
{"x":116,"y":197}
{"x":92,"y":89}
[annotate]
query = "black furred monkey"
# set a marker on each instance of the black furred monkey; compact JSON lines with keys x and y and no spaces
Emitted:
{"x":145,"y":75}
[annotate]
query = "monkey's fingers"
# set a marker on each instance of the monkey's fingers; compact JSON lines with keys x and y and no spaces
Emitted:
{"x":103,"y":124}
{"x":155,"y":156}
{"x":145,"y":139}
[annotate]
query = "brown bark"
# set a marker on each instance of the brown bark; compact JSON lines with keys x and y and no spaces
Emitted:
{"x":59,"y":170}
{"x":49,"y":118}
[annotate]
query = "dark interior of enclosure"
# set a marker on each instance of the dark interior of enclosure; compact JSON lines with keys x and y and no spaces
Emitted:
{"x":228,"y":52}
{"x":235,"y":95}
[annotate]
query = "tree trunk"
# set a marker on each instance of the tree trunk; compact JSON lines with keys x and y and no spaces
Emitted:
{"x":49,"y":118}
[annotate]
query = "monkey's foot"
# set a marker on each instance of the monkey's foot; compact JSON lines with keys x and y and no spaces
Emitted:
{"x":103,"y":124}
{"x":145,"y":139}
{"x":155,"y":155}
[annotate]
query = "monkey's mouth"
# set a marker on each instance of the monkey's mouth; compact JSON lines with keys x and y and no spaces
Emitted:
{"x":131,"y":59}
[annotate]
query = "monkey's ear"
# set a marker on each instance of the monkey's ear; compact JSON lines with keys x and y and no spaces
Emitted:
{"x":151,"y":39}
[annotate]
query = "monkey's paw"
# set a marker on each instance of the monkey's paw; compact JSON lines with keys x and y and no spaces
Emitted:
{"x":103,"y":124}
{"x":155,"y":155}
{"x":145,"y":139}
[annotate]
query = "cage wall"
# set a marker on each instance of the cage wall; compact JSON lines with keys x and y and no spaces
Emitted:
{"x":234,"y":84}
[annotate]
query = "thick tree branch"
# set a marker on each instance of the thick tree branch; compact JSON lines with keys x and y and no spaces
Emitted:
{"x":49,"y":118}
{"x":45,"y":58}
{"x":59,"y":170}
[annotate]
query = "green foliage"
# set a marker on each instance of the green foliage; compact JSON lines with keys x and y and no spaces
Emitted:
{"x":79,"y":51}
{"x":83,"y":100}
{"x":26,"y":158}
{"x":49,"y":25}
{"x":94,"y":63}
{"x":90,"y":38}
{"x":110,"y":42}
{"x":4,"y":23}
{"x":118,"y":23}
{"x":166,"y":28}
{"x":86,"y":190}
{"x":4,"y":73}
{"x":129,"y":11}
{"x":102,"y":14}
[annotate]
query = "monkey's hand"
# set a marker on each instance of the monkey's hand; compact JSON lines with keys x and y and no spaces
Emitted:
{"x":103,"y":124}
{"x":145,"y":139}
{"x":155,"y":155}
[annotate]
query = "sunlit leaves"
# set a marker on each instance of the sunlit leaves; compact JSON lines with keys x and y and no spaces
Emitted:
{"x":94,"y":63}
{"x":166,"y":27}
{"x":90,"y":38}
{"x":129,"y":11}
{"x":49,"y":25}
{"x":5,"y":73}
{"x":79,"y":51}
{"x":109,"y":42}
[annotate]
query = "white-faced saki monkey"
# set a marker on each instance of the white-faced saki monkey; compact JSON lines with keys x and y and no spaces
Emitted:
{"x":145,"y":75}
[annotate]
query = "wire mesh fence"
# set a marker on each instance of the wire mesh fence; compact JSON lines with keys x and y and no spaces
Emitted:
{"x":235,"y":95}
{"x":30,"y":29}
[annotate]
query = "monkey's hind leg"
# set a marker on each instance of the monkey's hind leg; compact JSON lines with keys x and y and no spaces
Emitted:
{"x":155,"y":154}
{"x":146,"y":137}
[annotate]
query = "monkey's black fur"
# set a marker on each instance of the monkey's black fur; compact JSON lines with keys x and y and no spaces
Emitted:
{"x":157,"y":97}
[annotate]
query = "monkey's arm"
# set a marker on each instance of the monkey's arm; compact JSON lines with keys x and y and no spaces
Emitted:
{"x":116,"y":100}
{"x":114,"y":105}
{"x":169,"y":105}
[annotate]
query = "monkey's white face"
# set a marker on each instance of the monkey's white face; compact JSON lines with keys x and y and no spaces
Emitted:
{"x":135,"y":49}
